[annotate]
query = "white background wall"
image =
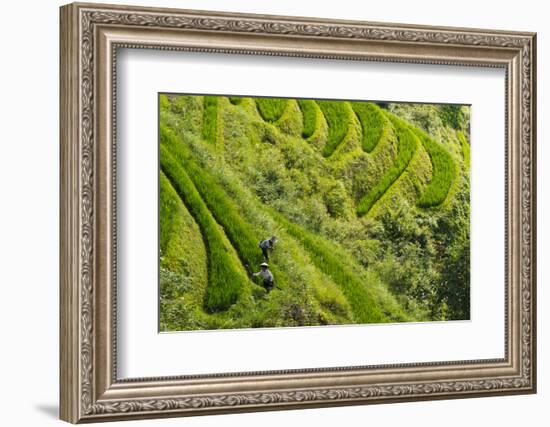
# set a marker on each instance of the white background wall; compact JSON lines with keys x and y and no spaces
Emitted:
{"x":29,"y":170}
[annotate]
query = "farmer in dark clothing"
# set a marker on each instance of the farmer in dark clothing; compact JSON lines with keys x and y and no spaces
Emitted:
{"x":266,"y":275}
{"x":267,"y":245}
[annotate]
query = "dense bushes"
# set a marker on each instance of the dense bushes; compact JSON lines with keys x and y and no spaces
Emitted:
{"x":408,"y":144}
{"x":373,"y":123}
{"x":443,"y":172}
{"x":452,"y":115}
{"x":271,"y":109}
{"x":338,"y":117}
{"x":453,"y":232}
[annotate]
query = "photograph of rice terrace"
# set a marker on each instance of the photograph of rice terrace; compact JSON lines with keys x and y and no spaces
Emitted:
{"x":300,"y":212}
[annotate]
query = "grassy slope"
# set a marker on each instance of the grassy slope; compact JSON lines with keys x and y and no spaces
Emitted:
{"x":271,"y":109}
{"x":290,"y":256}
{"x":319,"y":135}
{"x":183,"y":278}
{"x":309,"y":114}
{"x":222,"y":208}
{"x":179,"y":234}
{"x":408,"y":144}
{"x":338,"y":116}
{"x":373,"y":123}
{"x":444,"y":172}
{"x":294,"y":269}
{"x":210,"y":119}
{"x":291,"y":122}
{"x":226,"y":278}
{"x":324,"y":260}
{"x":240,"y":232}
{"x":369,"y":301}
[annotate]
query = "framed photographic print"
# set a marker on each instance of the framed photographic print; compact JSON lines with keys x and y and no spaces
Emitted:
{"x":266,"y":212}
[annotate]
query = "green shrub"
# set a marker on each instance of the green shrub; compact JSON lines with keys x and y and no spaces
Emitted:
{"x":271,"y":109}
{"x":407,"y":146}
{"x":338,"y":117}
{"x":373,"y":123}
{"x":226,"y":280}
{"x":452,"y":115}
{"x":443,"y":172}
{"x":465,"y":151}
{"x":235,"y":100}
{"x":210,"y":119}
{"x":309,"y":113}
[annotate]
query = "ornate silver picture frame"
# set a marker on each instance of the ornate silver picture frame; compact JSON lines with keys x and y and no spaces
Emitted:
{"x":91,"y":34}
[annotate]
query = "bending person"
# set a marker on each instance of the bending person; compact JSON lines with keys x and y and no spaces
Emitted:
{"x":268,"y":245}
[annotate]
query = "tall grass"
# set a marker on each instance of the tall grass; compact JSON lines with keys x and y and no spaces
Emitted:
{"x":235,"y":100}
{"x":443,"y":172}
{"x":338,"y":117}
{"x":180,"y":235}
{"x":177,"y":230}
{"x":225,"y":280}
{"x":373,"y":123}
{"x":271,"y":109}
{"x":219,"y":204}
{"x":407,"y":146}
{"x":465,"y":151}
{"x":210,"y":119}
{"x":168,"y":213}
{"x":309,"y":113}
{"x":367,"y":304}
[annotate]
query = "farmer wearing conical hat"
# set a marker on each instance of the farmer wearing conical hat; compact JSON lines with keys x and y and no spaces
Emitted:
{"x":266,"y":275}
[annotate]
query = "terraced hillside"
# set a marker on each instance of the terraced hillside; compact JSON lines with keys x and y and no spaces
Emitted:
{"x":370,"y":207}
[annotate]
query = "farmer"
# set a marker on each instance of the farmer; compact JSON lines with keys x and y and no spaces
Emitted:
{"x":267,"y":276}
{"x":267,"y":245}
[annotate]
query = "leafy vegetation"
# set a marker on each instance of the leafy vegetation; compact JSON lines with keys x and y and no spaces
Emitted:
{"x":453,"y":116}
{"x":276,"y":174}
